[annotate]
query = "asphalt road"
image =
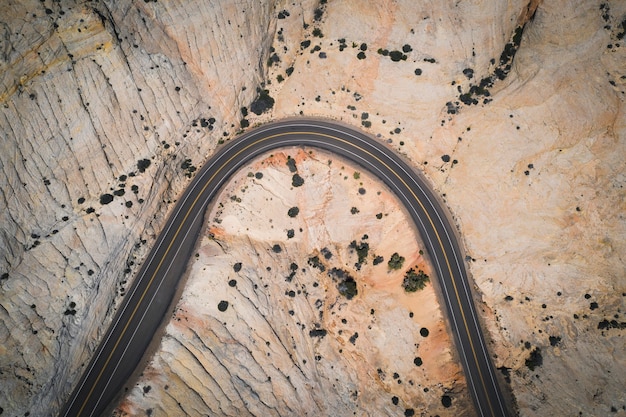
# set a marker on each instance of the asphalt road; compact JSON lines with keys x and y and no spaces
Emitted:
{"x":150,"y":296}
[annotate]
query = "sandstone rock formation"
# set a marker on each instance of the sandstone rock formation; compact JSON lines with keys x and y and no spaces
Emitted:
{"x":515,"y":111}
{"x":302,"y":315}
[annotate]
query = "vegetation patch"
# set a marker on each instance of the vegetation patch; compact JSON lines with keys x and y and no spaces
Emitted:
{"x":395,"y":262}
{"x":317,"y":333}
{"x":395,"y":55}
{"x":611,"y":324}
{"x":143,"y":164}
{"x":481,"y":90}
{"x":414,"y":281}
{"x":362,"y":250}
{"x":346,"y":285}
{"x":534,"y":360}
{"x":315,"y":262}
{"x":297,"y":180}
{"x":106,"y":199}
{"x":291,"y":164}
{"x":262,"y":103}
{"x":187,"y":166}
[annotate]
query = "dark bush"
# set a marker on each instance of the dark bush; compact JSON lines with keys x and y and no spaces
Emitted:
{"x":317,"y":333}
{"x":106,"y":199}
{"x":297,"y":180}
{"x":534,"y":359}
{"x":396,"y":261}
{"x":315,"y":262}
{"x":397,"y":56}
{"x":362,"y":250}
{"x":291,"y":163}
{"x":262,"y":103}
{"x":293,"y":212}
{"x":554,"y":340}
{"x":348,"y":288}
{"x":143,"y":164}
{"x":222,"y":306}
{"x":414,"y":281}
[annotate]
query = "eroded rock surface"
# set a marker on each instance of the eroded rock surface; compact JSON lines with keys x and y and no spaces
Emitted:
{"x":106,"y":108}
{"x":298,"y":314}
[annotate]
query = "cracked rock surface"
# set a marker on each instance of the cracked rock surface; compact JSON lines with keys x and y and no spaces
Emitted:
{"x":108,"y":108}
{"x":265,"y":325}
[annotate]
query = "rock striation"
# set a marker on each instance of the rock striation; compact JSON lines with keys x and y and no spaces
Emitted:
{"x":107,"y":108}
{"x":288,"y":312}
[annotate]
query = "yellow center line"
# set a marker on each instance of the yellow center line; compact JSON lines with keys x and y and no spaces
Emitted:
{"x":445,"y":255}
{"x":195,"y":201}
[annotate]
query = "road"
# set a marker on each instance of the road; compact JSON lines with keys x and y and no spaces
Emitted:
{"x":146,"y":303}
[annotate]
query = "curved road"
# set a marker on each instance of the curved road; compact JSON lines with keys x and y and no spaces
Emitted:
{"x":147,"y":302}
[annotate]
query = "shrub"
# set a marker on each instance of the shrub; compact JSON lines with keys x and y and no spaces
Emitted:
{"x":106,"y":199}
{"x":396,"y":261}
{"x":293,"y":212}
{"x":534,"y":359}
{"x":362,"y":250}
{"x":291,"y":163}
{"x":262,"y":103}
{"x":297,"y":180}
{"x":414,"y":281}
{"x":397,"y":56}
{"x":315,"y":262}
{"x":348,"y":288}
{"x":143,"y":164}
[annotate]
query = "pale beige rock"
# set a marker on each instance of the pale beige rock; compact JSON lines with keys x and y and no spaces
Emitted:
{"x":259,"y":357}
{"x":71,"y":132}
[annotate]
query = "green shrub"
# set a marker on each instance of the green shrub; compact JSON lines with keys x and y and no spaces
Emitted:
{"x":395,"y":262}
{"x":414,"y":281}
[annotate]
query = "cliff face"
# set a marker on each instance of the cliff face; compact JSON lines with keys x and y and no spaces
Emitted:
{"x":107,"y":108}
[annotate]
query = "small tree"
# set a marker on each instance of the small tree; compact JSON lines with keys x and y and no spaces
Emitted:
{"x":297,"y":180}
{"x":396,"y":261}
{"x":414,"y":281}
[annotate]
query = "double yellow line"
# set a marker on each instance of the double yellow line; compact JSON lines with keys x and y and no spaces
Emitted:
{"x":197,"y":199}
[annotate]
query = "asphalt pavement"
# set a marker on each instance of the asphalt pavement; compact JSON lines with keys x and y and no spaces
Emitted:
{"x":147,"y":302}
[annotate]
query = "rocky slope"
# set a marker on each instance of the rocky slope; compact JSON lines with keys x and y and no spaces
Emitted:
{"x":108,"y":107}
